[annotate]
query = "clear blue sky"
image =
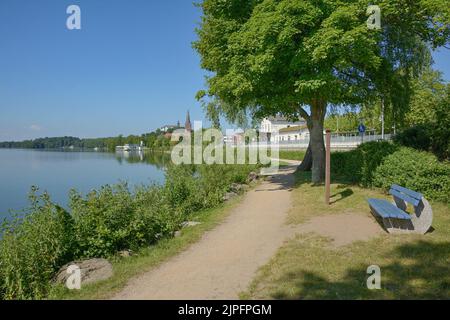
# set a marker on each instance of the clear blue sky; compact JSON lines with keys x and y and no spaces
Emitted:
{"x":129,"y":70}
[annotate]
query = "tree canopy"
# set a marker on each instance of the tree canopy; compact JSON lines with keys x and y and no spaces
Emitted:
{"x":298,"y":56}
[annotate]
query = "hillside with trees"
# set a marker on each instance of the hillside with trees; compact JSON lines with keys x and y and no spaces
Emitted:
{"x":152,"y":140}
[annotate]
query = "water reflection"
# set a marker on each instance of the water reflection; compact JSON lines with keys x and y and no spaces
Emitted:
{"x":59,"y":171}
{"x":159,"y":160}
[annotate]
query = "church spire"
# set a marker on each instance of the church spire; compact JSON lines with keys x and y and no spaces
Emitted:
{"x":188,"y":125}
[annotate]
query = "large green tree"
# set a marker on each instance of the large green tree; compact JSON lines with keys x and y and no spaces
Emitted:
{"x":297,"y":57}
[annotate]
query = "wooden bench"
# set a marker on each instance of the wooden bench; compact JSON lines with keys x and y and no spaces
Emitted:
{"x":394,"y":216}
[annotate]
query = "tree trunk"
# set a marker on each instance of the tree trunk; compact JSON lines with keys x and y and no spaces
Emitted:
{"x":318,"y":110}
{"x":306,"y":164}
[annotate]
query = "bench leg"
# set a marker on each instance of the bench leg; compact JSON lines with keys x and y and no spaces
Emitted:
{"x":423,"y":217}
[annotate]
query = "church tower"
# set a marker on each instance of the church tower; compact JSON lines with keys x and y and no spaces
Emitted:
{"x":188,"y":126}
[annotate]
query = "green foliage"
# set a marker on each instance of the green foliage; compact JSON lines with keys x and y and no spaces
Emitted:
{"x":103,"y":222}
{"x":381,"y":164}
{"x":428,"y":92}
{"x":359,"y":165}
{"x":347,"y":122}
{"x":417,"y":137}
{"x":114,"y":219}
{"x":440,"y":132}
{"x":292,"y":155}
{"x":33,"y":248}
{"x":433,"y":134}
{"x":277,"y":56}
{"x":419,"y":171}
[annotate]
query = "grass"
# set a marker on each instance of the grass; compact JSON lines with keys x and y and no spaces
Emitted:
{"x":147,"y":258}
{"x":307,"y":267}
{"x":292,"y":154}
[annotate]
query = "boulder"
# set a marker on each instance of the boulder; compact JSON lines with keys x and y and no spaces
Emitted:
{"x":236,"y":188}
{"x":229,"y":196}
{"x":92,"y":270}
{"x":186,"y":224}
{"x":252,"y":176}
{"x":177,"y":234}
{"x":125,"y":253}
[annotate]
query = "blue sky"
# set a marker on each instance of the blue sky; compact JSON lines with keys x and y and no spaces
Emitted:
{"x":129,"y":70}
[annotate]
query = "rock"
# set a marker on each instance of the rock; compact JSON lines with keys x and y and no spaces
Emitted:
{"x":252,"y":176}
{"x":186,"y":224}
{"x":177,"y":234}
{"x":236,"y":188}
{"x":125,"y":253}
{"x":229,"y":196}
{"x":92,"y":270}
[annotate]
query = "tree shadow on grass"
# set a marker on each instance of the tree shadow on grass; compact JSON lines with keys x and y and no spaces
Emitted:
{"x":419,"y":270}
{"x":342,"y":195}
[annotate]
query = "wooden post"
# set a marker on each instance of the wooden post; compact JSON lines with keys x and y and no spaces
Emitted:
{"x":328,"y":167}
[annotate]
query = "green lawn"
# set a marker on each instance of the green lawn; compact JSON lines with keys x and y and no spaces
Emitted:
{"x":292,"y":154}
{"x":307,"y":267}
{"x":148,"y":258}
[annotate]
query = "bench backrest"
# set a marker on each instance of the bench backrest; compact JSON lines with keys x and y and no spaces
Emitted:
{"x":405,"y":194}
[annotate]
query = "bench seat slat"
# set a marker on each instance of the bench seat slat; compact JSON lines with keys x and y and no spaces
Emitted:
{"x":404,"y":197}
{"x":408,"y":192}
{"x":387,"y":210}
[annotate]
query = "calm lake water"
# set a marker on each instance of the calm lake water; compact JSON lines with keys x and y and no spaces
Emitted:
{"x":57,"y":172}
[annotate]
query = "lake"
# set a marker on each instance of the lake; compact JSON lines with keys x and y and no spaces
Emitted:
{"x":57,"y":172}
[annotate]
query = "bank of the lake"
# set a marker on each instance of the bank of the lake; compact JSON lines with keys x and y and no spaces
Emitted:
{"x":59,"y":171}
{"x":104,"y":222}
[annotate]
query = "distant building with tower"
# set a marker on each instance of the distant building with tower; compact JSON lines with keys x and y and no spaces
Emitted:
{"x":188,"y":125}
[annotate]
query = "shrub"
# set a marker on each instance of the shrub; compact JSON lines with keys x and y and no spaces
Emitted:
{"x":419,"y":171}
{"x":102,"y":220}
{"x":33,"y":247}
{"x":417,"y":137}
{"x":433,"y":136}
{"x":358,"y":166}
{"x":440,"y":133}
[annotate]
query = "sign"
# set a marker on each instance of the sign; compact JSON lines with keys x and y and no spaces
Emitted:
{"x":361,"y":128}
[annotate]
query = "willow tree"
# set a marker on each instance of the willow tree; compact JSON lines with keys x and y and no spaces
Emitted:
{"x":296,"y":57}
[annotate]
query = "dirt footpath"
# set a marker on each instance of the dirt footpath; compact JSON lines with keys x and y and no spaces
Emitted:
{"x":223,"y":263}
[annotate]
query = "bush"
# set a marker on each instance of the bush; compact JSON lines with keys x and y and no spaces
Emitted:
{"x":440,"y":132}
{"x":358,"y":166}
{"x":433,"y":136}
{"x":114,"y":219}
{"x":32,"y":248}
{"x":417,"y":137}
{"x":419,"y":171}
{"x":381,"y":164}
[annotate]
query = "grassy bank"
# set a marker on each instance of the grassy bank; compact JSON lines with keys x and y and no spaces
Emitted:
{"x":147,"y":258}
{"x":104,"y":222}
{"x":310,"y":267}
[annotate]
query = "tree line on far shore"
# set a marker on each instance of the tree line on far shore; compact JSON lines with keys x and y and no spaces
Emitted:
{"x":156,"y":140}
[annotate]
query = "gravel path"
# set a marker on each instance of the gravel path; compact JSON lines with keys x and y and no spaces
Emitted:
{"x":225,"y":260}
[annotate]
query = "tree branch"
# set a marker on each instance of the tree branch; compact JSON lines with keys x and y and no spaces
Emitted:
{"x":304,"y":114}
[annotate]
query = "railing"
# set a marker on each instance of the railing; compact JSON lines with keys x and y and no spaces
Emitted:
{"x":338,"y":141}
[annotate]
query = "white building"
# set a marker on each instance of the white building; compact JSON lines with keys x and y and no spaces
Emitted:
{"x":168,"y":127}
{"x":294,"y":133}
{"x":279,"y":128}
